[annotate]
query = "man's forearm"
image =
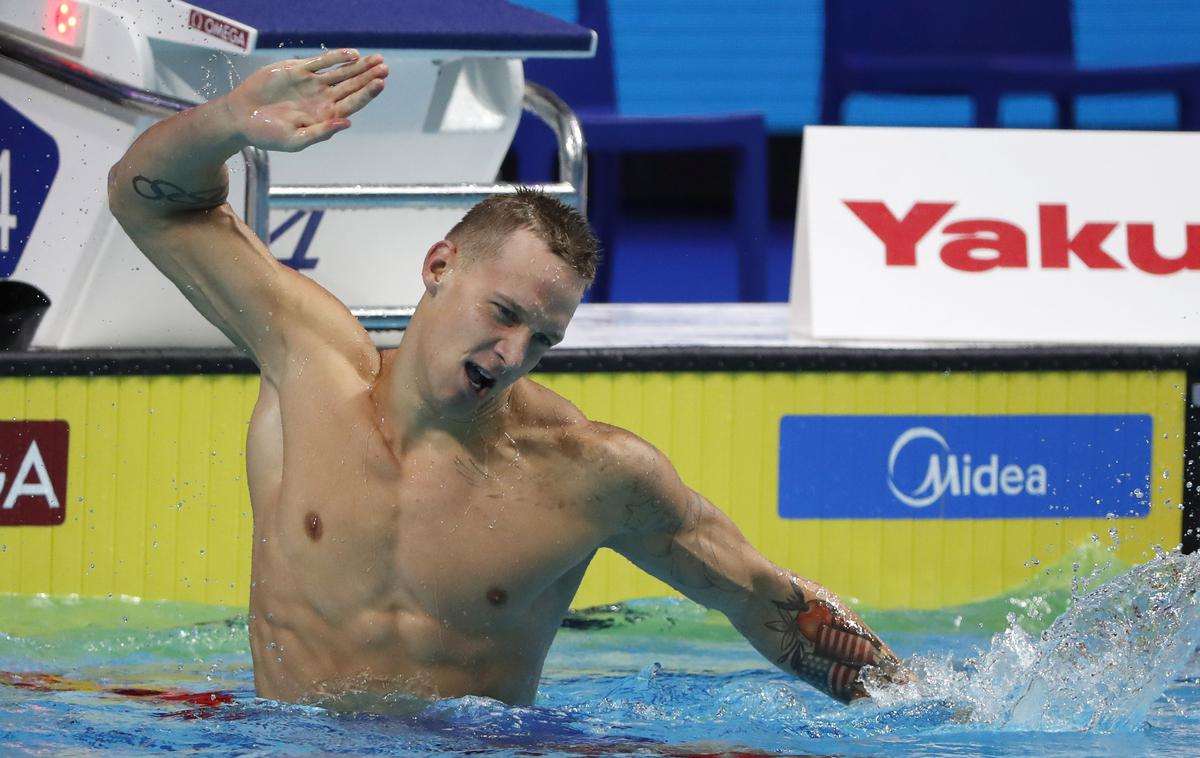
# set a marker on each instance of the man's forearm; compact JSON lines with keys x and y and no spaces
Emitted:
{"x":808,"y":632}
{"x":178,"y":164}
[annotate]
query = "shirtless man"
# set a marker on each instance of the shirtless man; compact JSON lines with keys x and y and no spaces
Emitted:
{"x":424,"y":515}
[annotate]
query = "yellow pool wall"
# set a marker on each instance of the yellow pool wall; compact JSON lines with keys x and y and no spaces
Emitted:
{"x":157,"y":505}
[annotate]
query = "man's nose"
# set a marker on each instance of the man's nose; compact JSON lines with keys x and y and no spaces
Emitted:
{"x":513,"y":348}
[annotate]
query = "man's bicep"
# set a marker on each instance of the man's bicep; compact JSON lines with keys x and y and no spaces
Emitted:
{"x":216,"y":267}
{"x":678,"y":536}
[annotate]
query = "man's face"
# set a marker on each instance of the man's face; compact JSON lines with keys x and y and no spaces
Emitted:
{"x":494,"y":318}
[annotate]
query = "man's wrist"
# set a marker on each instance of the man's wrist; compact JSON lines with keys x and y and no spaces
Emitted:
{"x":228,"y":132}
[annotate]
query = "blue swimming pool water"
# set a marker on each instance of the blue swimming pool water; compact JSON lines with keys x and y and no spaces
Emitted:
{"x":1114,"y":674}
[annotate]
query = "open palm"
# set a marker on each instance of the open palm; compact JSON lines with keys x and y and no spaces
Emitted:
{"x":292,"y":104}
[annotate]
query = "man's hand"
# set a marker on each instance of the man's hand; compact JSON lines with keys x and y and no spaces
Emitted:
{"x":169,"y":189}
{"x":825,"y":644}
{"x":296,"y":103}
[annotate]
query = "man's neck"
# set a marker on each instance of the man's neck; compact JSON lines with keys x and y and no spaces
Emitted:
{"x":406,"y":414}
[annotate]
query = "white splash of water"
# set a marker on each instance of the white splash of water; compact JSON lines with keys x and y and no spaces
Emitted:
{"x":1098,"y":668}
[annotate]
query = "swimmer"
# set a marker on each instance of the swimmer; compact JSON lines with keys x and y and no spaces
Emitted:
{"x":423,"y":515}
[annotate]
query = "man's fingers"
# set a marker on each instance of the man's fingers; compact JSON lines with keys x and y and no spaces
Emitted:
{"x":359,"y":99}
{"x":354,"y":68}
{"x":331,"y":58}
{"x":357,"y":83}
{"x":314,"y":133}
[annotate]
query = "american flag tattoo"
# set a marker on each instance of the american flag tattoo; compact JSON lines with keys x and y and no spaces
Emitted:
{"x":820,"y":647}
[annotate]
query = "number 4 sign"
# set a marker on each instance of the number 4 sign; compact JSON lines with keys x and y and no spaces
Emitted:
{"x":28,"y":165}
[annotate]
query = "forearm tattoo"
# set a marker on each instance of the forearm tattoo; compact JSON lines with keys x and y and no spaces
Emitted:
{"x":824,"y":647}
{"x":161,"y":189}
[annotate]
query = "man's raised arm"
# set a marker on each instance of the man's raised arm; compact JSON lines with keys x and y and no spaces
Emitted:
{"x":675,"y":534}
{"x":168,"y":192}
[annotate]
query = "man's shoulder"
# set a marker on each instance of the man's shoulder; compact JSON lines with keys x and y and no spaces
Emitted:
{"x":542,"y":407}
{"x":546,"y":410}
{"x":604,"y":454}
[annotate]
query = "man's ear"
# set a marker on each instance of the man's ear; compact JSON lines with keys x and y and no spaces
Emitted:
{"x":441,"y":259}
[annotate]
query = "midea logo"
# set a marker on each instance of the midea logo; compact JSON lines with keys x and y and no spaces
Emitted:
{"x":948,"y":473}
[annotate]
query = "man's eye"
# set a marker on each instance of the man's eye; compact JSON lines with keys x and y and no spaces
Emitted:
{"x":506,"y":315}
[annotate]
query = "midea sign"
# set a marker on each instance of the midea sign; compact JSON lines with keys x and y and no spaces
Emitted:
{"x":964,"y":467}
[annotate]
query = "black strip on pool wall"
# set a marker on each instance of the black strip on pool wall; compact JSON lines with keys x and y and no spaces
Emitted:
{"x":1191,"y":464}
{"x":664,"y":359}
{"x":148,"y":362}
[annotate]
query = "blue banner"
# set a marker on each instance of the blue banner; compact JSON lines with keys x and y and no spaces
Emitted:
{"x":854,"y":467}
{"x":28,"y":164}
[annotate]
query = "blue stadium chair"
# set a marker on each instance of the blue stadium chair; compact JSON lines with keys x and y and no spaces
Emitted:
{"x":588,"y":86}
{"x":979,"y":48}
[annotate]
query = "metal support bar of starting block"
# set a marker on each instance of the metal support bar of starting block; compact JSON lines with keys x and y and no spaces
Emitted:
{"x":261,"y":197}
{"x":571,"y":187}
{"x":294,"y":197}
{"x":384,"y":318}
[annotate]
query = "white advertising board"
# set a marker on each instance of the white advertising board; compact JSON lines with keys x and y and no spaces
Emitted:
{"x":998,"y":235}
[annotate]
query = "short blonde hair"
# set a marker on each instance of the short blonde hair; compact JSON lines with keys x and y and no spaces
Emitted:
{"x":564,"y":230}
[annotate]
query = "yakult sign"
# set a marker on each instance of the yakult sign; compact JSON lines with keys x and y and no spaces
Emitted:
{"x":952,"y":467}
{"x":994,"y":235}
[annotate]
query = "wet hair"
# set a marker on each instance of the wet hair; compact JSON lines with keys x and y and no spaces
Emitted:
{"x":562,"y":228}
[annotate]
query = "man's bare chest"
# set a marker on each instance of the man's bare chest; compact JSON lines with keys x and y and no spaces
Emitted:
{"x":476,"y":541}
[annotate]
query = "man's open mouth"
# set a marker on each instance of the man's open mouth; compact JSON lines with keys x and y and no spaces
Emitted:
{"x":479,"y":378}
